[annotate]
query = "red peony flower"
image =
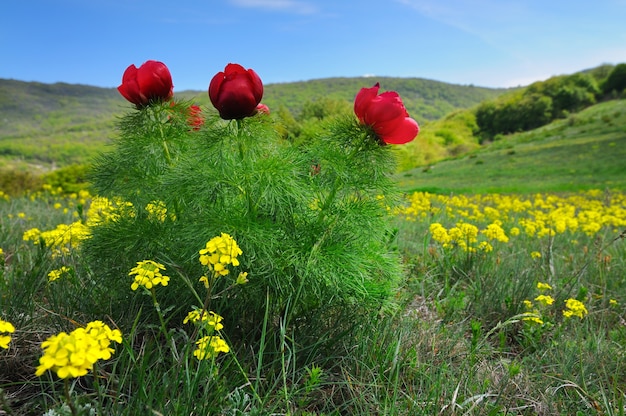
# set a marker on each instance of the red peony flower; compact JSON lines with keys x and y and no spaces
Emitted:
{"x":236,"y":92}
{"x":262,"y":108}
{"x":151,"y":81}
{"x":195,"y":119}
{"x":386,"y":114}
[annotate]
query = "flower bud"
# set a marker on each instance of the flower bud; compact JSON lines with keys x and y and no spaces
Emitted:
{"x":236,"y":92}
{"x":386,"y":115}
{"x":151,"y":81}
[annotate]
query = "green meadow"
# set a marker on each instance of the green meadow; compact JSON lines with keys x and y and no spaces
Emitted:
{"x":584,"y":151}
{"x":508,"y":248}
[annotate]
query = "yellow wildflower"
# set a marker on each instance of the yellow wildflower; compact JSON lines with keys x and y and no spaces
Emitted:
{"x":58,"y":273}
{"x":5,"y":328}
{"x":212,"y":320}
{"x":574,"y":308}
{"x":545,"y":299}
{"x":209,"y":347}
{"x":148,"y":274}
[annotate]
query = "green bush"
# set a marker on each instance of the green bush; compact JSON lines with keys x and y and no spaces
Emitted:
{"x":616,"y":81}
{"x":309,"y":219}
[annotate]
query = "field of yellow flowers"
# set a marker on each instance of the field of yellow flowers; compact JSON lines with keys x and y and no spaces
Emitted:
{"x":512,"y":304}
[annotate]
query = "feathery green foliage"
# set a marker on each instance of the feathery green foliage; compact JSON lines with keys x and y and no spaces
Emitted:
{"x":311,"y":220}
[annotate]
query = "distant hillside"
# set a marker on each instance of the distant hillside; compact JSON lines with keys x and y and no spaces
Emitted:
{"x":586,"y":150}
{"x":424,"y":99}
{"x":50,"y":125}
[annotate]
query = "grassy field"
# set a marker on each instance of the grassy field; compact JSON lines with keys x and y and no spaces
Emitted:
{"x":511,"y":305}
{"x":512,"y":299}
{"x":585,"y":151}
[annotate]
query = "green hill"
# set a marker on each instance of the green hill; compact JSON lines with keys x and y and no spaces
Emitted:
{"x":43,"y":126}
{"x":586,"y":150}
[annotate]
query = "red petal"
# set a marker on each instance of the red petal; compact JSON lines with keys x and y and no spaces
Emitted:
{"x":130,"y":88}
{"x":386,"y":107}
{"x":214,"y":88}
{"x":404,"y":132}
{"x":363,"y":100}
{"x":257,"y":85}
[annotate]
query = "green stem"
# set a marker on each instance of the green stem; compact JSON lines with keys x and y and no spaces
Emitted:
{"x":205,"y":306}
{"x":68,"y":398}
{"x":156,"y":113}
{"x":157,"y":307}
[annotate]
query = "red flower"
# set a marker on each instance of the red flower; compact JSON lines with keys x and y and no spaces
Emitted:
{"x":151,"y":81}
{"x":386,"y":114}
{"x":195,"y":119}
{"x":236,"y":92}
{"x":262,"y":108}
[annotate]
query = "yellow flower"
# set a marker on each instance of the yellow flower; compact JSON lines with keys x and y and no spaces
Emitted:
{"x":485,"y":246}
{"x":535,"y":255}
{"x":148,"y":274}
{"x":528,"y":304}
{"x":58,"y":273}
{"x":439,"y":233}
{"x":212,"y":320}
{"x":220,"y":252}
{"x":157,"y":210}
{"x":74,"y":354}
{"x":5,"y":327}
{"x":242,"y":279}
{"x":209,"y":347}
{"x":545,"y":299}
{"x":574,"y":308}
{"x":495,"y":232}
{"x":533,"y":317}
{"x":70,"y":355}
{"x":103,"y":336}
{"x":32,"y":235}
{"x":543,"y":286}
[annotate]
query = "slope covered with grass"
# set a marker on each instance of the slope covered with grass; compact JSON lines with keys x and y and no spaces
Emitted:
{"x":584,"y":151}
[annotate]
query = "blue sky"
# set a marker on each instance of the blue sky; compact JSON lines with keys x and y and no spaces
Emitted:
{"x":493,"y":43}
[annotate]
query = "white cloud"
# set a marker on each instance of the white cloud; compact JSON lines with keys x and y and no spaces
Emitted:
{"x":292,"y":6}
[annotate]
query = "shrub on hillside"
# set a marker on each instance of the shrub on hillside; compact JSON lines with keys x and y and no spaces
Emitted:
{"x":616,"y":81}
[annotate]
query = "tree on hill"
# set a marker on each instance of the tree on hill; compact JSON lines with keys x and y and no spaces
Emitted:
{"x":536,"y":105}
{"x":616,"y":81}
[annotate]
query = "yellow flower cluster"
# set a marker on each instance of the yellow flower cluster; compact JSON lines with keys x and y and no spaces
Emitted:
{"x":58,"y":273}
{"x":211,"y":320}
{"x":102,"y":210}
{"x":219,"y":253}
{"x":62,"y":239}
{"x":66,"y":237}
{"x":536,"y":215}
{"x":5,"y":328}
{"x":574,"y":307}
{"x":74,"y":354}
{"x":158,"y":211}
{"x":466,"y":236}
{"x":210,"y":346}
{"x":148,"y":274}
